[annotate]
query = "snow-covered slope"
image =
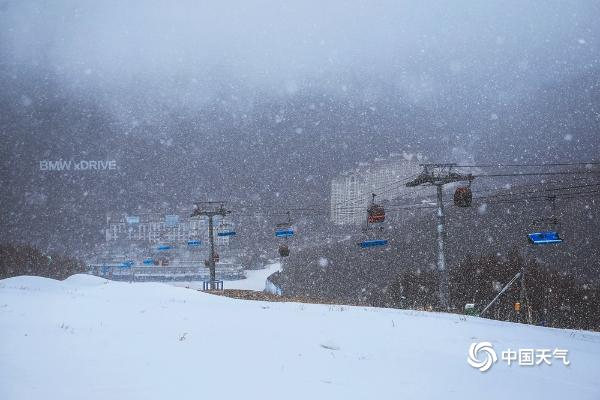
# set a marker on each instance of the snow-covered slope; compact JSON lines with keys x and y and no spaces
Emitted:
{"x":88,"y":338}
{"x":255,"y":279}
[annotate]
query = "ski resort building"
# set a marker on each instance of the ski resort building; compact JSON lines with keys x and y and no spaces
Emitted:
{"x":154,"y":228}
{"x":351,"y":191}
{"x":162,"y":247}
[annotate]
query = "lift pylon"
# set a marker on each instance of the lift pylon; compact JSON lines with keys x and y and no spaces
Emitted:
{"x":210,"y":210}
{"x":439,"y":175}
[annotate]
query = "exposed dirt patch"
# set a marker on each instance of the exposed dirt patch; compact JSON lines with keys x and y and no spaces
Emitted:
{"x":263,"y":296}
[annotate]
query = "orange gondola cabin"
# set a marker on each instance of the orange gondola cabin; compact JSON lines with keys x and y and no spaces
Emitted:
{"x":284,"y":251}
{"x":463,"y":197}
{"x":375,"y":213}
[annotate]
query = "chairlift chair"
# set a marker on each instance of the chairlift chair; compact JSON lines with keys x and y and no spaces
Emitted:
{"x":284,"y":230}
{"x":550,"y":236}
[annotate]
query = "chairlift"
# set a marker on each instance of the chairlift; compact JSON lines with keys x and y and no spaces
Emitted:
{"x":546,"y":237}
{"x":284,"y":233}
{"x":373,"y":243}
{"x":283,"y":230}
{"x":164,"y":247}
{"x":225,"y":230}
{"x":148,"y":261}
{"x":194,"y":243}
{"x":550,"y":236}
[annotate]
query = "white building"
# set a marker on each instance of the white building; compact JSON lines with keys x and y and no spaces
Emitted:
{"x":351,"y":191}
{"x":156,"y":228}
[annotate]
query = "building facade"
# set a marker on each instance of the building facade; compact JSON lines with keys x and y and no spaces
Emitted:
{"x":155,"y":228}
{"x":351,"y":192}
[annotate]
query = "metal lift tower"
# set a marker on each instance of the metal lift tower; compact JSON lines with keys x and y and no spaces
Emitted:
{"x":439,"y":175}
{"x":211,"y":209}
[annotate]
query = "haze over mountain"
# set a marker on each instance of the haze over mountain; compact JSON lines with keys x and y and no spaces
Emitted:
{"x":264,"y":103}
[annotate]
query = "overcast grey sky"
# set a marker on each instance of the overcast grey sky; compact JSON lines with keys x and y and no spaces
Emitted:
{"x":417,"y":46}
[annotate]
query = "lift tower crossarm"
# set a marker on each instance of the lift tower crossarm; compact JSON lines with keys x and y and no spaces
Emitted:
{"x":439,"y":175}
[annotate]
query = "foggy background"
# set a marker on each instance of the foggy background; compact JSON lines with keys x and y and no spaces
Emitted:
{"x":264,"y":102}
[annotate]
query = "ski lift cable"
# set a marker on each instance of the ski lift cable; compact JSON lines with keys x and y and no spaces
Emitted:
{"x":527,"y":196}
{"x":539,"y":191}
{"x":544,"y":182}
{"x":537,"y":174}
{"x":392,"y":186}
{"x":544,"y":197}
{"x":561,"y":164}
{"x":378,"y":191}
{"x":492,"y":196}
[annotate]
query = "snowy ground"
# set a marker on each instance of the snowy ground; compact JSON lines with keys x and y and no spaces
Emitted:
{"x":88,"y":338}
{"x":255,"y":279}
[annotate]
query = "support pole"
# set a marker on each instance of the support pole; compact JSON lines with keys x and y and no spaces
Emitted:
{"x":439,"y":175}
{"x":441,"y":261}
{"x":211,"y":261}
{"x":517,"y":276}
{"x":204,"y":210}
{"x":523,"y":296}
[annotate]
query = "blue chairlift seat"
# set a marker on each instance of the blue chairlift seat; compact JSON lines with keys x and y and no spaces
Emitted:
{"x":373,"y":243}
{"x":163,"y":247}
{"x":547,"y":237}
{"x":226,"y":233}
{"x":148,"y":261}
{"x":284,"y":233}
{"x":194,"y":243}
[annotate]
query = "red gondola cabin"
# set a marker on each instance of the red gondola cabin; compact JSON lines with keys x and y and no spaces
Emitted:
{"x":284,"y":251}
{"x":463,"y":197}
{"x":376,"y":214}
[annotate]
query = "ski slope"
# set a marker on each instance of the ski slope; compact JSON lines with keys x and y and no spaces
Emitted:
{"x":89,"y":338}
{"x":255,"y":279}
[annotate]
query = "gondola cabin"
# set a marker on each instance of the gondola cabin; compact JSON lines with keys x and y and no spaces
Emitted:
{"x":376,"y":214}
{"x":463,"y":197}
{"x":284,"y":251}
{"x":373,"y":243}
{"x":284,"y":233}
{"x":547,"y":237}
